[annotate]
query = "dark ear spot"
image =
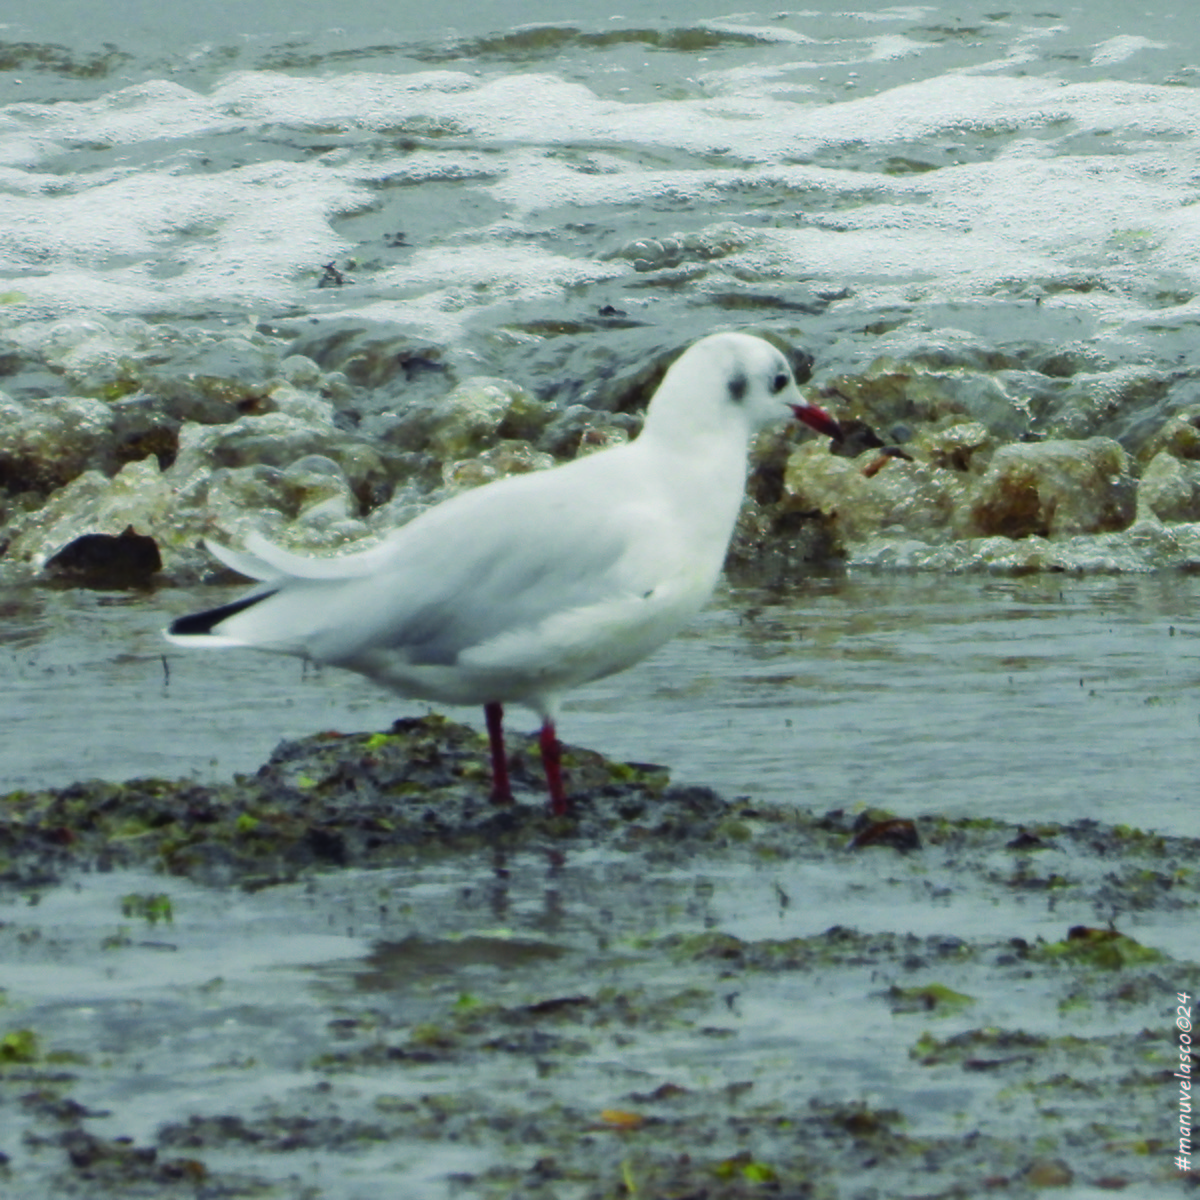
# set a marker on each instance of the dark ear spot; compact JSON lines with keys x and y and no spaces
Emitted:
{"x":737,"y":387}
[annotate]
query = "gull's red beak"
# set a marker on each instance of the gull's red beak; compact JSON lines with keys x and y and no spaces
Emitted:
{"x":818,"y":419}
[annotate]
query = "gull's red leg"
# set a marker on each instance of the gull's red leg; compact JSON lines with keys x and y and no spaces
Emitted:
{"x":501,"y":791}
{"x":552,"y":761}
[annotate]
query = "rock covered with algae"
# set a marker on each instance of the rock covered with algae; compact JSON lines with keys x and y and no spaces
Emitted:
{"x":48,"y":442}
{"x":959,"y":455}
{"x":421,"y":788}
{"x":945,"y":470}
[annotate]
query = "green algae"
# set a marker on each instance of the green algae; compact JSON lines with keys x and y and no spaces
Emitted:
{"x":930,"y":997}
{"x":151,"y":907}
{"x":19,"y":1046}
{"x":1105,"y":949}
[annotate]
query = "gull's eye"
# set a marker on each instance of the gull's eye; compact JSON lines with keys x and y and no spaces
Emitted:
{"x":779,"y":383}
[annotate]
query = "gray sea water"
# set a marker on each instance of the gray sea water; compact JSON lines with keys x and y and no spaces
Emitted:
{"x":491,"y":179}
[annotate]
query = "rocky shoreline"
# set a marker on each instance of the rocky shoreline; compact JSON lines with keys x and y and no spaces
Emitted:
{"x":959,"y":456}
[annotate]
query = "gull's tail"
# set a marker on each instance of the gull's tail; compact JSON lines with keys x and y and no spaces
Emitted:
{"x":288,"y":612}
{"x":208,"y":628}
{"x":204,"y":627}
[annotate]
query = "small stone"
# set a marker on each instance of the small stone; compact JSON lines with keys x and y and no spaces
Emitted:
{"x":1048,"y":1172}
{"x":100,"y":560}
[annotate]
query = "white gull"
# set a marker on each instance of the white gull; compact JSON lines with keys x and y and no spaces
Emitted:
{"x":525,"y":588}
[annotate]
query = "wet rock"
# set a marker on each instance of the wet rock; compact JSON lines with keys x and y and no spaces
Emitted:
{"x":137,"y":496}
{"x":421,"y":788}
{"x":951,"y":500}
{"x":527,"y":418}
{"x":771,"y":547}
{"x":896,"y":832}
{"x":1055,"y":488}
{"x":1147,"y":543}
{"x":318,"y":489}
{"x":79,"y":347}
{"x":902,"y":497}
{"x":212,"y":381}
{"x":777,"y":534}
{"x":377,"y":356}
{"x":407,"y":502}
{"x":47,"y":443}
{"x":1170,"y":488}
{"x":143,"y":426}
{"x":579,"y":430}
{"x":312,"y":493}
{"x":1027,"y":840}
{"x":11,"y":357}
{"x":206,"y":376}
{"x":508,"y":458}
{"x":278,"y":440}
{"x":310,"y":509}
{"x":300,"y":372}
{"x":857,"y":436}
{"x":1126,"y":404}
{"x":273,"y":439}
{"x":892,"y":392}
{"x":274,"y":453}
{"x":118,"y":1166}
{"x":1179,"y":437}
{"x":99,"y":560}
{"x":1063,"y":362}
{"x":949,"y":349}
{"x":961,"y":447}
{"x":469,"y":419}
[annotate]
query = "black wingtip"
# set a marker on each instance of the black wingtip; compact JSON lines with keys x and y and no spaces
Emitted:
{"x":197,"y":624}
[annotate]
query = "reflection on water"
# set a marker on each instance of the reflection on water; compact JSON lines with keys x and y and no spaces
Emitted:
{"x":1025,"y":699}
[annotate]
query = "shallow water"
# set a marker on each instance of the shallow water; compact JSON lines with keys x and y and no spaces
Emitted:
{"x":1039,"y":698}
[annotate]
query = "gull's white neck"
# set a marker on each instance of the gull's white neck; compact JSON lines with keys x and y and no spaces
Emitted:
{"x":701,"y":468}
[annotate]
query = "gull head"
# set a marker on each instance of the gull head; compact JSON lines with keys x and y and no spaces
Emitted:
{"x":733,"y":380}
